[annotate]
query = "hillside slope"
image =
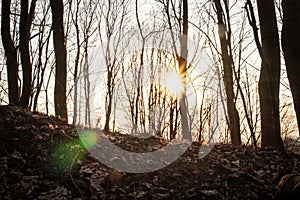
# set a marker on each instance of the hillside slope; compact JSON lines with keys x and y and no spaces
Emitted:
{"x":41,"y":157}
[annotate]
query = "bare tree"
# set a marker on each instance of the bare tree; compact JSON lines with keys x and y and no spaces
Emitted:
{"x":111,"y":30}
{"x":26,"y":19}
{"x":233,"y":116}
{"x":75,"y":20}
{"x":177,"y":20}
{"x":291,"y":49}
{"x":10,"y":53}
{"x":269,"y":80}
{"x":44,"y":54}
{"x":60,"y":100}
{"x":183,"y":71}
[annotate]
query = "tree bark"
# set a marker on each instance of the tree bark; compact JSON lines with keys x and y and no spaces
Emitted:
{"x":60,"y":99}
{"x":233,"y":116}
{"x":291,"y":49}
{"x":186,"y":134}
{"x":75,"y":21}
{"x":270,"y":76}
{"x":25,"y":25}
{"x":10,"y":53}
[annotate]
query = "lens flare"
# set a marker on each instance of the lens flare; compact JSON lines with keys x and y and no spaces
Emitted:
{"x":67,"y":156}
{"x":174,"y":82}
{"x":89,"y":138}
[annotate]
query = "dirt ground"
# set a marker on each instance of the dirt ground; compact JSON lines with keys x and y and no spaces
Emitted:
{"x":41,"y":157}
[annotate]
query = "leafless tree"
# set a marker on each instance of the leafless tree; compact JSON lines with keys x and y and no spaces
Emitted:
{"x":26,"y":19}
{"x":291,"y":49}
{"x":60,"y":100}
{"x":225,"y":41}
{"x":269,"y":80}
{"x":43,"y":52}
{"x":10,"y":53}
{"x":112,"y":20}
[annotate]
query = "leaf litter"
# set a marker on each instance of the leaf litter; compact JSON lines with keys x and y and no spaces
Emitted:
{"x":41,"y":157}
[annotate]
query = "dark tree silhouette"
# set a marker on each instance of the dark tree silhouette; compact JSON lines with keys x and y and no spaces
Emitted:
{"x":10,"y":53}
{"x":269,"y":79}
{"x":26,"y":19}
{"x":183,"y":70}
{"x":233,"y":116}
{"x":60,"y":57}
{"x":291,"y":48}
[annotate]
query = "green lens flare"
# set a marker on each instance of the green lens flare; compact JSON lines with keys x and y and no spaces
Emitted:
{"x":89,"y":138}
{"x":68,"y":155}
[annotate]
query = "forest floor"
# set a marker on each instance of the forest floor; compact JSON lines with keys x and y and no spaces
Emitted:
{"x":41,"y":157}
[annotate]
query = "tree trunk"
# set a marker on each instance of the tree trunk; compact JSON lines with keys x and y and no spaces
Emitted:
{"x":270,"y":75}
{"x":10,"y":53}
{"x":233,"y":116}
{"x":291,"y":49}
{"x":60,"y":99}
{"x":25,"y":25}
{"x":76,"y":68}
{"x":109,"y":98}
{"x":186,"y":134}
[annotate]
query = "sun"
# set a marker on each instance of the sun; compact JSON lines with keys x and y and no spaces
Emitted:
{"x":174,"y":82}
